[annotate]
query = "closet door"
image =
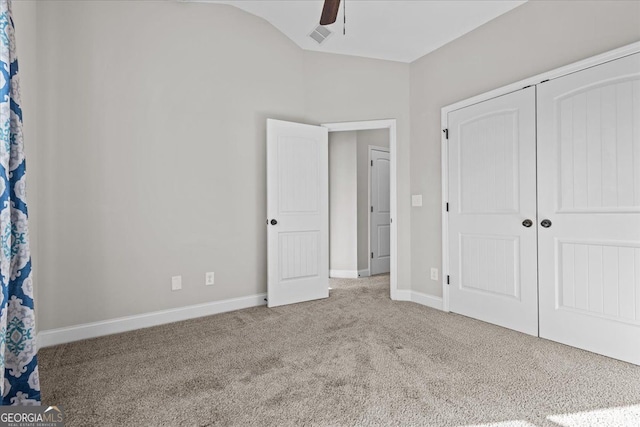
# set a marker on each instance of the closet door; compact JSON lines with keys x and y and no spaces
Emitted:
{"x":492,"y":211}
{"x":589,"y":209}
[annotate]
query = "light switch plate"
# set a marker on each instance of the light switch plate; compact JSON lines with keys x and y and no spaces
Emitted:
{"x":416,"y":200}
{"x":434,"y":274}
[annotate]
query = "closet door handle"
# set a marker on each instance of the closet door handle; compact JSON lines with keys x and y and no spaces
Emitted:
{"x":527,"y":223}
{"x":274,"y":222}
{"x":545,"y":223}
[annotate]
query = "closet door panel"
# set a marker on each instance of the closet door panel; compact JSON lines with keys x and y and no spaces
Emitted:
{"x":492,"y":190}
{"x":589,"y":189}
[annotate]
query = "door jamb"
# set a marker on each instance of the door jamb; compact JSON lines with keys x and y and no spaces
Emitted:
{"x":389,"y":124}
{"x":593,"y":61}
{"x":371,"y":148}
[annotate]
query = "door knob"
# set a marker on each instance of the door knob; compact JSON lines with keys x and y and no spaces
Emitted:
{"x":527,"y":223}
{"x":274,"y":222}
{"x":545,"y":223}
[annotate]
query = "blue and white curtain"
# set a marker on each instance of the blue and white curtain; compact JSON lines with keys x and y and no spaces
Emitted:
{"x":19,"y":384}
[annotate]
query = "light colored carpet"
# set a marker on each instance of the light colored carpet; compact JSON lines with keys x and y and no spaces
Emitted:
{"x":357,"y":358}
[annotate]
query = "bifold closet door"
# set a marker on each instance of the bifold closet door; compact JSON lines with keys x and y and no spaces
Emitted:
{"x":589,"y":192}
{"x":492,"y":211}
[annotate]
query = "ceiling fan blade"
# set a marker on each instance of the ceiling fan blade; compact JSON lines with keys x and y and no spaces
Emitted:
{"x":329,"y":12}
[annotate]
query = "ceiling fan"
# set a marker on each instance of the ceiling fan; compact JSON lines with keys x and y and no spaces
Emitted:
{"x":329,"y":12}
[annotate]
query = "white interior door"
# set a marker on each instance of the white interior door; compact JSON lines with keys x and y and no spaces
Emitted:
{"x":380,"y":212}
{"x":298,"y":212}
{"x":492,"y":191}
{"x":589,"y":190}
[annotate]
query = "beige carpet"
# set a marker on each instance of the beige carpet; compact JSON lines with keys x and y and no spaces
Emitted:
{"x":357,"y":358}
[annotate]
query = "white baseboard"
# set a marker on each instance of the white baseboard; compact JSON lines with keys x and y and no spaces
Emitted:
{"x":418,"y":297}
{"x":68,"y":334}
{"x":426,"y":299}
{"x":51,"y":337}
{"x":343,"y":274}
{"x":364,"y":273}
{"x":401,"y":295}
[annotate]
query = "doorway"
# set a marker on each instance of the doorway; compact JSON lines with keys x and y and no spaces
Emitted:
{"x":377,"y":138}
{"x":298,"y":208}
{"x":359,"y":227}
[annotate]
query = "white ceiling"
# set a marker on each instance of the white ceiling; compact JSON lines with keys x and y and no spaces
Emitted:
{"x":396,"y":30}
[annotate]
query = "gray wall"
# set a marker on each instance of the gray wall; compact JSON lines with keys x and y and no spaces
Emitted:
{"x":365,"y":138}
{"x":530,"y":39}
{"x":343,"y":194}
{"x":152,"y":149}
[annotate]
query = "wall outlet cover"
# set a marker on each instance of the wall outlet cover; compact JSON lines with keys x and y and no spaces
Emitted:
{"x":416,"y":200}
{"x":209,"y":278}
{"x":176,"y":283}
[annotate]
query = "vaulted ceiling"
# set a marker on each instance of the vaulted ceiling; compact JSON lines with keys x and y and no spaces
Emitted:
{"x":395,"y":30}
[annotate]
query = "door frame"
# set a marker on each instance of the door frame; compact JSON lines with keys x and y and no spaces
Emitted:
{"x":593,"y":61}
{"x":389,"y":124}
{"x":371,"y":148}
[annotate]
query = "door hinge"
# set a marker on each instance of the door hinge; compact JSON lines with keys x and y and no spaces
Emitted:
{"x":371,"y":208}
{"x":371,"y":255}
{"x":371,"y":162}
{"x":448,"y":279}
{"x":446,"y":133}
{"x":447,"y":206}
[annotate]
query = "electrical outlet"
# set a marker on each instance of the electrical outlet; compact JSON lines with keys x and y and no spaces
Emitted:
{"x":209,"y":278}
{"x":434,"y":274}
{"x":176,"y":283}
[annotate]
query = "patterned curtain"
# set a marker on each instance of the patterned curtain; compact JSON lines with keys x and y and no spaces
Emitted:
{"x":19,"y":384}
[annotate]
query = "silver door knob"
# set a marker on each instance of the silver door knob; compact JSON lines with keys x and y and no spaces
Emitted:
{"x":545,"y":223}
{"x":527,"y":223}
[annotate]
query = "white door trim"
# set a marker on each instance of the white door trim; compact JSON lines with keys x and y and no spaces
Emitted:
{"x":393,"y":151}
{"x":370,"y":148}
{"x":444,"y":111}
